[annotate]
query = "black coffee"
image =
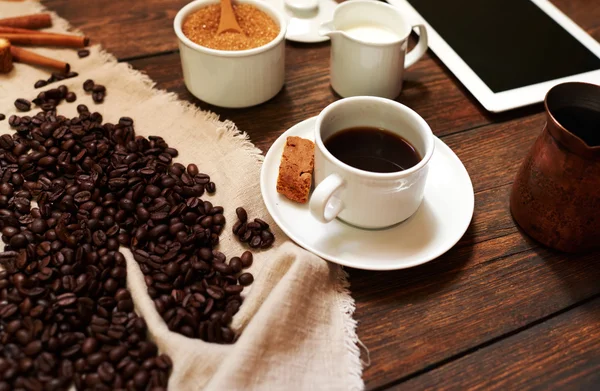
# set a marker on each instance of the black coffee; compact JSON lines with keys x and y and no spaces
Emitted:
{"x":373,"y":149}
{"x":581,"y":121}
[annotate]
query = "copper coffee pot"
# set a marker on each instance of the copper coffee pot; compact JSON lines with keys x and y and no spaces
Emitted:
{"x":556,"y":196}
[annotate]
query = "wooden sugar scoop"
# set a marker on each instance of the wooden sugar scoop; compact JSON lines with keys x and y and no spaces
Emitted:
{"x":6,"y":60}
{"x":228,"y":22}
{"x":9,"y":53}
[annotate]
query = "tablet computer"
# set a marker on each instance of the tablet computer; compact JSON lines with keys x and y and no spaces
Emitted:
{"x":508,"y":53}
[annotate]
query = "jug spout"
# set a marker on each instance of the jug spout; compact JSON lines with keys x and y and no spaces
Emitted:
{"x":327,"y":29}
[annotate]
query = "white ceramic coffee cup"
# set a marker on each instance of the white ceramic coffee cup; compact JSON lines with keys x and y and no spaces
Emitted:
{"x":234,"y":79}
{"x":359,"y":67}
{"x":362,"y":198}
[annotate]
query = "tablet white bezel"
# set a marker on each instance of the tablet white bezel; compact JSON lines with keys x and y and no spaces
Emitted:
{"x":510,"y":99}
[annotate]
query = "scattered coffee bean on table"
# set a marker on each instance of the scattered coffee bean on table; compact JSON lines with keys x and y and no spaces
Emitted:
{"x":88,"y":85}
{"x":83,"y":53}
{"x":256,"y":233}
{"x":56,"y":76}
{"x":2,"y":117}
{"x":40,"y":84}
{"x":49,"y":99}
{"x":70,"y":97}
{"x":98,"y":91}
{"x":23,"y":104}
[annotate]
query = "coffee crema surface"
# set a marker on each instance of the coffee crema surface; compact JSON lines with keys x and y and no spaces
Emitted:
{"x":373,"y":149}
{"x":258,"y":27}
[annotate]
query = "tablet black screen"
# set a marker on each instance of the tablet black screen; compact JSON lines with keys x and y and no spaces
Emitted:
{"x":508,"y":43}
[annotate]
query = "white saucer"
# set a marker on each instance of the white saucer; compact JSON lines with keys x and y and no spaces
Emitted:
{"x":439,"y":223}
{"x":305,"y":27}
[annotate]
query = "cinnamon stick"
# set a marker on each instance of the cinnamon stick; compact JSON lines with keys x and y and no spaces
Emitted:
{"x":6,"y":60}
{"x":28,"y":57}
{"x":72,"y":41}
{"x":17,"y":30}
{"x":34,"y":21}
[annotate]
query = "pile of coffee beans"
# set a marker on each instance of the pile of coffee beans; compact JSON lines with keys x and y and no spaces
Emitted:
{"x":256,"y":233}
{"x":56,"y":76}
{"x":66,"y":316}
{"x":65,"y":313}
{"x":98,"y":90}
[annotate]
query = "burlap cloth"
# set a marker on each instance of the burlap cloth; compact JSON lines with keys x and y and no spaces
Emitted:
{"x":296,"y":327}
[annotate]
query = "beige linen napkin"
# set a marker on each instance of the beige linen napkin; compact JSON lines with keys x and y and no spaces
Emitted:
{"x":297,"y":331}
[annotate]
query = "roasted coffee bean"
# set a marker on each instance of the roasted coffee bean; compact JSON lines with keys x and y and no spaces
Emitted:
{"x":192,"y":170}
{"x":117,"y":353}
{"x":66,"y":299}
{"x":23,"y":104}
{"x":233,"y":289}
{"x":89,"y":346}
{"x":236,"y":264}
{"x":40,"y":84}
{"x":33,"y":348}
{"x":106,"y":372}
{"x":236,"y":227}
{"x":2,"y":117}
{"x":215,"y":292}
{"x":219,"y":219}
{"x":219,"y":256}
{"x":88,"y":85}
{"x":223,"y":268}
{"x":98,"y":88}
{"x":14,"y":121}
{"x":98,"y":97}
{"x":246,"y":279}
{"x":263,"y":224}
{"x":39,"y":226}
{"x":253,"y":226}
{"x":141,"y":378}
{"x":18,"y":241}
{"x":62,"y":89}
{"x":210,"y":187}
{"x":96,"y":359}
{"x":255,"y":241}
{"x":71,"y":97}
{"x":81,"y":53}
{"x":246,"y":259}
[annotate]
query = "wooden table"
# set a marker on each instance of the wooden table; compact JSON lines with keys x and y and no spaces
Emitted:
{"x":498,"y":311}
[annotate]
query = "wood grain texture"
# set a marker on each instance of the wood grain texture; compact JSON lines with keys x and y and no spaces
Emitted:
{"x":127,"y":29}
{"x":413,"y":319}
{"x":493,"y":282}
{"x":558,"y":354}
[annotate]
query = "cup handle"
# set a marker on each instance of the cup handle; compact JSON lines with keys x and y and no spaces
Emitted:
{"x":324,"y":205}
{"x":419,"y":50}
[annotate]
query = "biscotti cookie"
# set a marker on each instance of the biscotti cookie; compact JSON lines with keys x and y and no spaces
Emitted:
{"x":295,"y":169}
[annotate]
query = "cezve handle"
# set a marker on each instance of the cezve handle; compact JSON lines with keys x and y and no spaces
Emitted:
{"x":325,"y":205}
{"x":419,"y":50}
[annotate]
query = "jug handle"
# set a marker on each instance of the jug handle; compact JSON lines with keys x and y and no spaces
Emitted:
{"x":419,"y":50}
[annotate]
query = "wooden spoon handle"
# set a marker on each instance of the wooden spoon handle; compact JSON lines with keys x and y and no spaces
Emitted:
{"x":228,"y":22}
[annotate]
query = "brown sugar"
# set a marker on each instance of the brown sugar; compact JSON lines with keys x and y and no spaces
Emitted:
{"x":201,"y":27}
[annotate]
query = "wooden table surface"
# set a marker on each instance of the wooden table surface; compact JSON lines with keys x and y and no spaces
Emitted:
{"x":498,"y":311}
